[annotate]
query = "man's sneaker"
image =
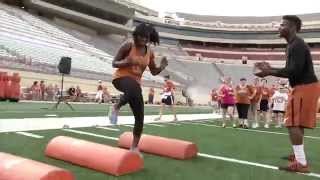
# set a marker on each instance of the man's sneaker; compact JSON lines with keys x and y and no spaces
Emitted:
{"x":224,"y":125}
{"x":295,"y":166}
{"x":291,"y":157}
{"x":234,"y":126}
{"x":245,"y":127}
{"x":266,"y":126}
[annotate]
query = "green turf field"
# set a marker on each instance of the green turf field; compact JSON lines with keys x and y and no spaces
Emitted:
{"x":262,"y":146}
{"x":40,"y":110}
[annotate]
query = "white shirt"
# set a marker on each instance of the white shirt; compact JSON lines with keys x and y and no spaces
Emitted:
{"x":279,"y":101}
{"x":166,"y":94}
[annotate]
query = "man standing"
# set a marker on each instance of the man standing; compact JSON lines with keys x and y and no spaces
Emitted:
{"x":302,"y":103}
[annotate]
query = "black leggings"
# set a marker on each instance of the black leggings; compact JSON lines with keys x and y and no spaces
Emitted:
{"x":242,"y":110}
{"x":132,"y":95}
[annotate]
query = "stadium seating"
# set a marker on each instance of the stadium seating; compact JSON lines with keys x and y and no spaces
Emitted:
{"x":233,"y":23}
{"x":238,"y":53}
{"x":32,"y":38}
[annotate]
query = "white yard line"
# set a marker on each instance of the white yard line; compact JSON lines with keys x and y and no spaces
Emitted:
{"x":171,"y":123}
{"x":90,"y":134}
{"x":251,"y":163}
{"x":236,"y":161}
{"x":51,"y":115}
{"x":30,"y":135}
{"x":107,"y":128}
{"x":209,"y":156}
{"x":156,"y":125}
{"x":32,"y":124}
{"x":127,"y":125}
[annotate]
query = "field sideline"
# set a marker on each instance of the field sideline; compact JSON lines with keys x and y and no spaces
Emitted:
{"x":225,"y":153}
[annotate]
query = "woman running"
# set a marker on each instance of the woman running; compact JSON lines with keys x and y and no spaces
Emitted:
{"x":131,"y":61}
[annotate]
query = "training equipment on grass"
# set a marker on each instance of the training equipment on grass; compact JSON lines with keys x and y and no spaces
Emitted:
{"x":107,"y":159}
{"x":168,"y":147}
{"x":14,"y":88}
{"x":17,"y":168}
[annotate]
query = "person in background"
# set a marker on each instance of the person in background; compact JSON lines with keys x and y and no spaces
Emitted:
{"x":106,"y":95}
{"x":168,"y":98}
{"x":42,"y":90}
{"x":265,"y":102}
{"x":243,"y":95}
{"x":151,"y":95}
{"x":254,"y":103}
{"x":72,"y":93}
{"x":35,"y":90}
{"x":279,"y":101}
{"x":78,"y":93}
{"x":226,"y":93}
{"x":214,"y":97}
{"x":50,"y":92}
{"x":99,"y":95}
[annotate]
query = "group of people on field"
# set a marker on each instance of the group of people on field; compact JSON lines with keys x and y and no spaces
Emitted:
{"x":252,"y":102}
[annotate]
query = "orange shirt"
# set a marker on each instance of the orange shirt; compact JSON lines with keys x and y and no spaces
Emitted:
{"x":242,"y":94}
{"x":151,"y":92}
{"x":214,"y":96}
{"x":100,"y":88}
{"x":256,"y":98}
{"x":136,"y":71}
{"x":169,"y":86}
{"x":266,"y":93}
{"x":35,"y":88}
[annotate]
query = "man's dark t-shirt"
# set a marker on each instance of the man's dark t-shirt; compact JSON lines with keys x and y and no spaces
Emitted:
{"x":299,"y":66}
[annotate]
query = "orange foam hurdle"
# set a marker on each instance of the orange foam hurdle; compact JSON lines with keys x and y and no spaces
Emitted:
{"x":2,"y":95}
{"x":173,"y":148}
{"x":14,"y":93}
{"x":17,"y":168}
{"x":107,"y":159}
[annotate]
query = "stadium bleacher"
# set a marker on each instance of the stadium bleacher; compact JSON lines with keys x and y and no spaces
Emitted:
{"x":33,"y":38}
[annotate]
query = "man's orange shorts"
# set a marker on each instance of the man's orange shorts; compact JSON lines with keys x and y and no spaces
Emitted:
{"x":303,"y":106}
